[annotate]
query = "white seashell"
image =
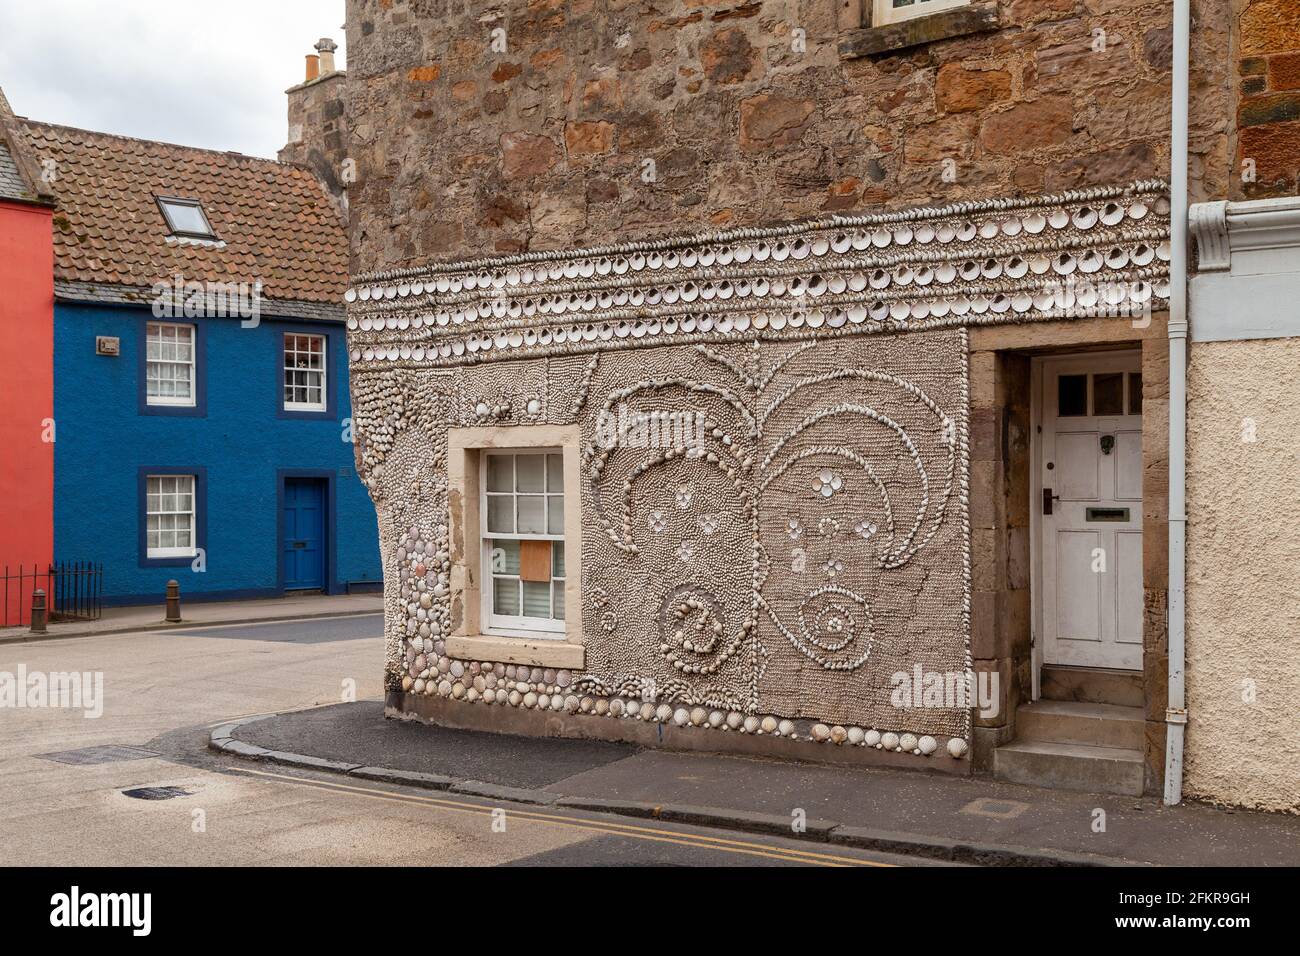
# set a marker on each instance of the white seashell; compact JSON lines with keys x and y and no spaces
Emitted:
{"x":821,"y":733}
{"x":928,"y":745}
{"x":957,"y":747}
{"x":889,"y":741}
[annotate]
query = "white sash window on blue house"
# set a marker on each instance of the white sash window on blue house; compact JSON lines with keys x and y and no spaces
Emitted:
{"x":895,"y":11}
{"x":169,"y":370}
{"x":522,"y":511}
{"x":304,"y":373}
{"x":169,"y":506}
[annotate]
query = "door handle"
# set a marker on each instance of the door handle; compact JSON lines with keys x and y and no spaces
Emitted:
{"x":1048,"y":498}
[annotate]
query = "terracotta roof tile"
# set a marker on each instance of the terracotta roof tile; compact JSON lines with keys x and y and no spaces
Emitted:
{"x":277,"y":221}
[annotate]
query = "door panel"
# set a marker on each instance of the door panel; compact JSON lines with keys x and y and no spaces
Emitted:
{"x":1128,"y":576}
{"x":303,"y":547}
{"x":1090,"y":472}
{"x":1078,"y":590}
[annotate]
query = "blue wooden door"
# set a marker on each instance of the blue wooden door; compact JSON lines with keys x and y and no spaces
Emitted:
{"x":304,"y":534}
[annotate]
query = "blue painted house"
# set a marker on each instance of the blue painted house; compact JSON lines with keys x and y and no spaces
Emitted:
{"x":200,"y":369}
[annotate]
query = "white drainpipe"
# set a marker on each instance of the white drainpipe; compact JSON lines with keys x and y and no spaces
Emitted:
{"x":1176,"y":715}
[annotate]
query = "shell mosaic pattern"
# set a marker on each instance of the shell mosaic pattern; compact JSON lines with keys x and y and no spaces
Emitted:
{"x":1092,"y":251}
{"x":791,"y":603}
{"x":705,"y":614}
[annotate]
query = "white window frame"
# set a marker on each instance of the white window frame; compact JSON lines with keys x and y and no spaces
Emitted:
{"x":172,"y":552}
{"x":508,"y":624}
{"x":883,"y":12}
{"x":293,"y":406}
{"x":172,"y":400}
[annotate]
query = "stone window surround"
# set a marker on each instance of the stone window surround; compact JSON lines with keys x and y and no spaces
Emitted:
{"x":860,"y":36}
{"x":467,"y":639}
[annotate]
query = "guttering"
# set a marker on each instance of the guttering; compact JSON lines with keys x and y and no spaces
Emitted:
{"x":1176,"y":713}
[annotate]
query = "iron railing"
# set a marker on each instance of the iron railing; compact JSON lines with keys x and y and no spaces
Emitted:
{"x":74,"y":591}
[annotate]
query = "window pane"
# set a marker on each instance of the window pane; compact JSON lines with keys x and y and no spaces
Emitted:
{"x":504,"y":556}
{"x":1108,"y":394}
{"x":505,"y":596}
{"x":1135,"y":393}
{"x":530,"y":470}
{"x":557,"y":594}
{"x":537,"y":599}
{"x":532,"y":514}
{"x":500,"y":473}
{"x":555,"y":474}
{"x":187,"y":218}
{"x":1072,"y":395}
{"x":555,"y":515}
{"x":557,"y":559}
{"x":501,"y":514}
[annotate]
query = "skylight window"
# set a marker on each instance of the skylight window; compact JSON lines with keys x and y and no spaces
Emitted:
{"x":185,"y":217}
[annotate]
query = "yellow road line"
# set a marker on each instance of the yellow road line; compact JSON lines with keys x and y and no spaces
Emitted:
{"x":698,"y":841}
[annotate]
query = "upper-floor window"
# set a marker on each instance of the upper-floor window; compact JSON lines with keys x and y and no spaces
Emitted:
{"x":304,"y":372}
{"x":185,"y":217}
{"x":169,"y":364}
{"x":523,"y":541}
{"x":895,"y":11}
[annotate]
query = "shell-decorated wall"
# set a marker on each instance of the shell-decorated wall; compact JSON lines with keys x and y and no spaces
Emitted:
{"x":771,"y":569}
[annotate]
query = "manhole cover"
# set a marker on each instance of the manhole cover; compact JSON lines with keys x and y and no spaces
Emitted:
{"x":93,"y":755}
{"x":156,"y":793}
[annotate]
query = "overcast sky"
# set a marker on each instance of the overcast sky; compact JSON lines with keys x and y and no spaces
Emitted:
{"x":208,"y":73}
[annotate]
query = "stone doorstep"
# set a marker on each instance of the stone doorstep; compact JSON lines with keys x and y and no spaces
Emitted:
{"x":1080,"y":722}
{"x":1065,"y":766}
{"x":822,"y":831}
{"x":1095,"y":685}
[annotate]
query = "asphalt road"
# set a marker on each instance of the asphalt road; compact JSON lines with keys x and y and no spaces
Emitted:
{"x":66,"y":804}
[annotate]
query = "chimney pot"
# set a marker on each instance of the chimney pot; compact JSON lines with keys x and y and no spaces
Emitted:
{"x":313,"y":67}
{"x":326,"y":48}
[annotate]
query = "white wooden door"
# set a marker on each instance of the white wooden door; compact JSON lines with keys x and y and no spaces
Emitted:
{"x":1090,"y":501}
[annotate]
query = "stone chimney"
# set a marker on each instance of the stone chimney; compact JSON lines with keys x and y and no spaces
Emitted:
{"x":318,"y":123}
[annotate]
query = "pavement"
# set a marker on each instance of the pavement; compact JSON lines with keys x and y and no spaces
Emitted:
{"x":138,"y":785}
{"x":123,"y":620}
{"x":975,"y":820}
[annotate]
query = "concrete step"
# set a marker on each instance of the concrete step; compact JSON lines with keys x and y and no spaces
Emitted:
{"x":1061,"y":766}
{"x":1079,"y":722}
{"x":1094,"y":685}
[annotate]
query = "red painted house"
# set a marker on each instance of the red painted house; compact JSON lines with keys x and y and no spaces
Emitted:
{"x":27,"y":427}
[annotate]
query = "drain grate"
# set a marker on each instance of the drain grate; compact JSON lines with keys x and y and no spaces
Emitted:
{"x":88,"y":756}
{"x":156,"y":793}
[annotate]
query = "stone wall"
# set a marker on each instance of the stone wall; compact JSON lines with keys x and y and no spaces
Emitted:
{"x":1267,"y":59}
{"x":318,"y":131}
{"x":612,"y":120}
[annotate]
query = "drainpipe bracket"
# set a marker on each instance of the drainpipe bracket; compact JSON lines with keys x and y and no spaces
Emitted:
{"x":1173,"y":716}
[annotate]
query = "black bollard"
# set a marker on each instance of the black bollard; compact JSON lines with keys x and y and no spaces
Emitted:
{"x":173,"y":602}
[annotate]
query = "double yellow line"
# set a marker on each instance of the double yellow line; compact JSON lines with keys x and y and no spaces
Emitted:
{"x":606,"y":827}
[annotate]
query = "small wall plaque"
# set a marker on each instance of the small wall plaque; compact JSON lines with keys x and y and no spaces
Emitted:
{"x":108,"y":345}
